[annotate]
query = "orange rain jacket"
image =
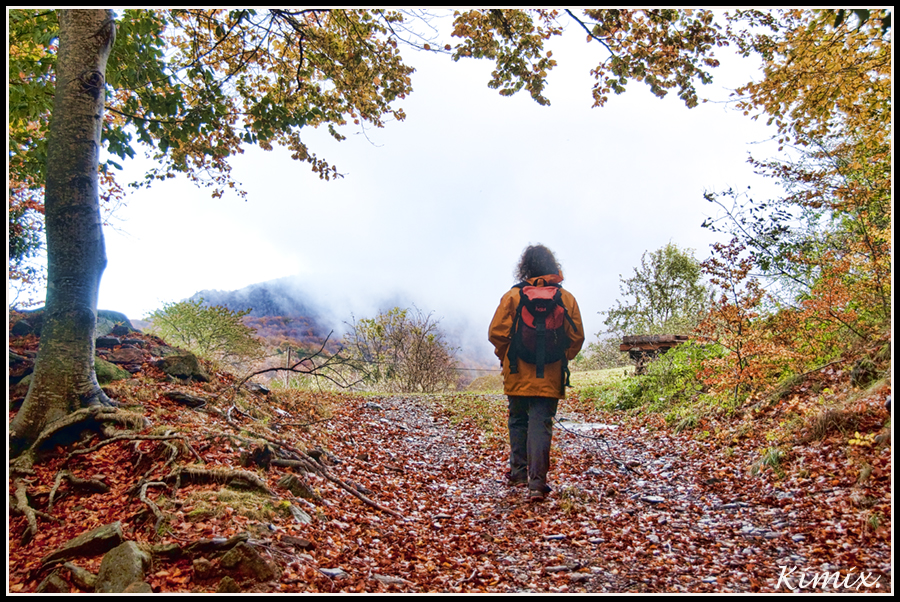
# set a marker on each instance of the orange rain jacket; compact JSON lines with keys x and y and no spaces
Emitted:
{"x":525,"y":383}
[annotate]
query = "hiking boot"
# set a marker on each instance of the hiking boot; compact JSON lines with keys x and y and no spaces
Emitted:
{"x":536,"y":495}
{"x":516,"y":482}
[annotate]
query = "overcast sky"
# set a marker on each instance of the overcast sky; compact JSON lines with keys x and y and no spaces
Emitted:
{"x":435,"y":210}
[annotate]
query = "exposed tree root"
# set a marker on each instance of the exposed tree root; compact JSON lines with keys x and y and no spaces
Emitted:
{"x":213,"y":546}
{"x":307,"y":463}
{"x":92,"y":485}
{"x":299,"y":464}
{"x":22,"y":506}
{"x":96,"y":415}
{"x":189,"y":474}
{"x":97,"y":399}
{"x":134,"y":437}
{"x":160,"y":517}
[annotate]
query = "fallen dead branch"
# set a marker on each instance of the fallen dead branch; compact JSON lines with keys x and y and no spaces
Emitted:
{"x":307,"y":463}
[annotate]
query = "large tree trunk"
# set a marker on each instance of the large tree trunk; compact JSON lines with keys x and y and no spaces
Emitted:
{"x":64,"y":378}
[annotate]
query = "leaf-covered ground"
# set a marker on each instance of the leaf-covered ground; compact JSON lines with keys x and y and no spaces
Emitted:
{"x":635,"y":507}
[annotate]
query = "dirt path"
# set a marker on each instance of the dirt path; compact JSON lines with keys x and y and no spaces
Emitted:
{"x":641,"y":510}
{"x":679,"y":519}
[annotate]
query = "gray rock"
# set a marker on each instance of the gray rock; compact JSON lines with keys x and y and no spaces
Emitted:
{"x":389,"y":580}
{"x":138,"y":587}
{"x":107,"y":320}
{"x":244,"y":562}
{"x":33,"y":318}
{"x":298,"y":487}
{"x":127,"y":355}
{"x":300,"y":543}
{"x":108,"y":372}
{"x":334,"y":573}
{"x":107,"y":342}
{"x":257,"y":388}
{"x":165,"y":351}
{"x":183,"y":366}
{"x":203,"y":568}
{"x":82,"y":578}
{"x":120,"y":330}
{"x":97,"y":541}
{"x":300,"y":517}
{"x":20,"y":329}
{"x":122,"y":566}
{"x":228,"y":586}
{"x":53,"y":584}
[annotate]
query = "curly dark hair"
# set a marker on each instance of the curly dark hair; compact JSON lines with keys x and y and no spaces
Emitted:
{"x":536,"y":260}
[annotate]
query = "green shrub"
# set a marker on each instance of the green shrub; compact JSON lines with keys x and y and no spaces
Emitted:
{"x":214,"y":333}
{"x":671,"y":380}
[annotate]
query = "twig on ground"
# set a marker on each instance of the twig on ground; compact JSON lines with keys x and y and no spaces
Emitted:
{"x":309,"y":464}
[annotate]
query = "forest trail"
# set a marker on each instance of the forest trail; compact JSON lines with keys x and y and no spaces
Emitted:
{"x":635,"y":507}
{"x":639,"y":511}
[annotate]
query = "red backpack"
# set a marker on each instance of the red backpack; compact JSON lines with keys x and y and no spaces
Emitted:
{"x":538,"y":332}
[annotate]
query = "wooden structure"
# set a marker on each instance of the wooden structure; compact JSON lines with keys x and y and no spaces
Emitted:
{"x":641,"y":349}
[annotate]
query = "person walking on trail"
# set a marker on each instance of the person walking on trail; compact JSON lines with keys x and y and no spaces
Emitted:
{"x":536,"y":331}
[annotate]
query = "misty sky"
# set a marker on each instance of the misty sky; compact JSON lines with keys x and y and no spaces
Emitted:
{"x":435,"y":210}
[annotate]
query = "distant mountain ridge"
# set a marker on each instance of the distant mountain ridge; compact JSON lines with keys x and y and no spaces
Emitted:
{"x":278,"y":311}
{"x":264,"y":299}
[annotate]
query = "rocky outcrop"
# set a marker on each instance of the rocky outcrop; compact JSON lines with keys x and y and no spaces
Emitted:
{"x":108,"y":322}
{"x":113,"y":322}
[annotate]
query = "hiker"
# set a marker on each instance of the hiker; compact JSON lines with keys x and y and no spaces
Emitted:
{"x":534,"y":353}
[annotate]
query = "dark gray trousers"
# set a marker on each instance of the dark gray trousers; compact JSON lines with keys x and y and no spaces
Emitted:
{"x":530,"y":432}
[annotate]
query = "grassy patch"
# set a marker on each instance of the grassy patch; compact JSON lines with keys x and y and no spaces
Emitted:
{"x":490,"y":384}
{"x":592,"y":378}
{"x":488,"y":413}
{"x":771,"y":457}
{"x":828,"y":421}
{"x":201,"y":505}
